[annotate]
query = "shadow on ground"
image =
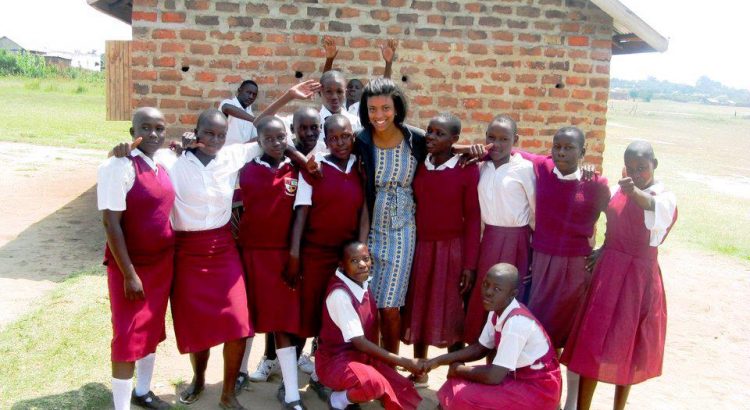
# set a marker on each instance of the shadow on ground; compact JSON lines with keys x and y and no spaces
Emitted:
{"x":89,"y":396}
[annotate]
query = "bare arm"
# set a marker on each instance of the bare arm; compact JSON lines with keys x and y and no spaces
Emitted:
{"x":487,"y":374}
{"x":329,"y":45}
{"x":364,"y":223}
{"x":230,"y":110}
{"x":116,"y":241}
{"x":470,"y":353}
{"x":389,"y":51}
{"x":300,"y":220}
{"x":301,"y":91}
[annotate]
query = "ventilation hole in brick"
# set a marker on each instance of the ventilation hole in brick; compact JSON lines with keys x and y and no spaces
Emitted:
{"x":559,"y":85}
{"x":298,"y":74}
{"x":405,"y":78}
{"x":185,"y":68}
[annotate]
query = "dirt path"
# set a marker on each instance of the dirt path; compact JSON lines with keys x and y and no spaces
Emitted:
{"x":50,"y":228}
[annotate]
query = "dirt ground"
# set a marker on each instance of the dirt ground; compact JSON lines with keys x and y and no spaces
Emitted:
{"x":50,"y":228}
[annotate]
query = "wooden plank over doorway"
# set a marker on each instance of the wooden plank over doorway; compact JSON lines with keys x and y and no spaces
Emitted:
{"x":119,"y":83}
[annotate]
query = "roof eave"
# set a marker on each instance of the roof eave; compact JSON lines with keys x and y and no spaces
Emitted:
{"x":119,"y":9}
{"x":638,"y":36}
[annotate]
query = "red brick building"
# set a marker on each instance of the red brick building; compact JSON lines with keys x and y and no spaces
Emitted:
{"x":546,"y":62}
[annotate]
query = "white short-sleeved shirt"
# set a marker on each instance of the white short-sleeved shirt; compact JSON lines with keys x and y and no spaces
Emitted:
{"x":115,"y":177}
{"x":305,"y":190}
{"x":238,"y":130}
{"x":660,"y":219}
{"x":354,"y":109}
{"x":320,"y":147}
{"x":341,"y":310}
{"x":507,"y":194}
{"x":203,"y":194}
{"x":324,"y":113}
{"x":522,"y":343}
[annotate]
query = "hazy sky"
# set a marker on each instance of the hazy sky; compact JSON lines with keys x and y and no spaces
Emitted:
{"x":704,"y":38}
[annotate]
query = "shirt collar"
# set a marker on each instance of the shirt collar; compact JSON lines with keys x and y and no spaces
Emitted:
{"x":357,"y":291}
{"x":349,"y":164}
{"x":451,"y":163}
{"x":325,"y":113}
{"x":138,"y":153}
{"x":249,"y":108}
{"x":656,"y":188}
{"x":576,"y":176}
{"x":501,"y":319}
{"x":267,"y":165}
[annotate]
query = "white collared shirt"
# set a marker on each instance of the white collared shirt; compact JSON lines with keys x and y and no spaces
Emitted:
{"x":451,"y":163}
{"x":115,"y":178}
{"x":522,"y":342}
{"x":203,"y":199}
{"x":507,"y":193}
{"x":238,"y":130}
{"x":341,"y":310}
{"x":575,"y":176}
{"x":354,"y":109}
{"x":305,"y":190}
{"x":281,"y":163}
{"x":324,"y":113}
{"x":660,"y":219}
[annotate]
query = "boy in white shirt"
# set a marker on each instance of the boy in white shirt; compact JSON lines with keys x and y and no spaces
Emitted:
{"x":239,"y":112}
{"x":524,"y":374}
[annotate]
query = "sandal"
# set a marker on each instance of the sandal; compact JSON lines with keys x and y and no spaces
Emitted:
{"x":232,"y":407}
{"x":242,"y":383}
{"x":189,"y":395}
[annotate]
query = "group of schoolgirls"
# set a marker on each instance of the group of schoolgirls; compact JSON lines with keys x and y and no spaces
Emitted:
{"x":166,"y":218}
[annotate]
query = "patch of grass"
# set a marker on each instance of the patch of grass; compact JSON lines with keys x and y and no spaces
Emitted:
{"x":57,"y":112}
{"x":58,"y":356}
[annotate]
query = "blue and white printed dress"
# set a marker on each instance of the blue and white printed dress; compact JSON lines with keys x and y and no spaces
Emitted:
{"x":393,"y":230}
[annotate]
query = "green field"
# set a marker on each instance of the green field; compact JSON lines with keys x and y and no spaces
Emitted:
{"x":59,"y":112}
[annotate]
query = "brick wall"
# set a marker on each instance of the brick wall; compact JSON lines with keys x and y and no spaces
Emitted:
{"x":544,"y":61}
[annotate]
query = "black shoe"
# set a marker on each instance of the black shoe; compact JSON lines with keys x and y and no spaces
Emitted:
{"x":242,"y":383}
{"x":322,"y":391}
{"x":293,"y":405}
{"x":149,"y":401}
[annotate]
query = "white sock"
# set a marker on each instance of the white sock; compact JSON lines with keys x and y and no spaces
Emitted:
{"x":339,"y":399}
{"x":288,"y":362}
{"x":121,"y":393}
{"x":314,"y":376}
{"x":571,"y":401}
{"x":246,"y":356}
{"x":144,"y":369}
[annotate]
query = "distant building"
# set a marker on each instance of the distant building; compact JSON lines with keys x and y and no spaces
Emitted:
{"x":59,"y":60}
{"x":619,"y":94}
{"x":13,"y":47}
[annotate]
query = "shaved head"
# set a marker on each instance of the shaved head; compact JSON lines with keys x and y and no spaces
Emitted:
{"x":304,"y":112}
{"x":642,"y":149}
{"x":332,"y":75}
{"x":210,"y":115}
{"x":146,"y":112}
{"x":505,"y":273}
{"x":574,"y":132}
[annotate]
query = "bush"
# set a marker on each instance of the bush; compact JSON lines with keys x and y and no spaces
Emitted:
{"x":34,"y":66}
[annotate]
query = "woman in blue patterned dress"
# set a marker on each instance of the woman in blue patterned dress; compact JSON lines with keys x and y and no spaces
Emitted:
{"x":390,"y":152}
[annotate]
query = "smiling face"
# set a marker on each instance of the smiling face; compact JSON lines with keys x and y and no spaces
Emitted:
{"x":339,"y":137}
{"x":381,"y":112}
{"x":212,"y":133}
{"x":247,"y":94}
{"x":439,"y":137}
{"x":353,"y":91}
{"x":149,"y":124}
{"x":272,"y":139}
{"x":567,"y":150}
{"x":306,"y":127}
{"x":332,"y":91}
{"x":356,"y":263}
{"x":500,"y":135}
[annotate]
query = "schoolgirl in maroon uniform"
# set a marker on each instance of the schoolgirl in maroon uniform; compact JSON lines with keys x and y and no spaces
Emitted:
{"x":329,"y":211}
{"x":448,"y":229}
{"x":269,"y":186}
{"x":507,"y":189}
{"x":567,"y":208}
{"x":348,"y":359}
{"x":618,"y":336}
{"x":524,"y":372}
{"x":135,"y":196}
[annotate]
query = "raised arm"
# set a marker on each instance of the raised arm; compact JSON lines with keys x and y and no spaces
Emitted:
{"x":329,"y":45}
{"x":301,"y":91}
{"x":389,"y":52}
